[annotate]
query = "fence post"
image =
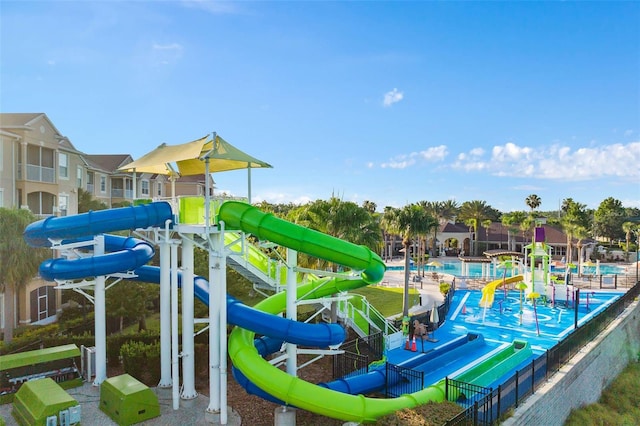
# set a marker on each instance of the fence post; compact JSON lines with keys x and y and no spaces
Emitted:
{"x":499,"y":410}
{"x":517,"y":388}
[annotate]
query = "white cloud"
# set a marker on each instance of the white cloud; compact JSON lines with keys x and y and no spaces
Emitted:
{"x":281,"y":198}
{"x":555,"y":161}
{"x":170,"y":46}
{"x":165,"y":54}
{"x":213,"y":7}
{"x":392,"y":97}
{"x":432,"y":155}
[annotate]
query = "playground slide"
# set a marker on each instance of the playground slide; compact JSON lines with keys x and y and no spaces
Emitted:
{"x":131,"y":254}
{"x":489,"y":290}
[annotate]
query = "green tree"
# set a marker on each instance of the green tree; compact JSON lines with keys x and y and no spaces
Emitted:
{"x":512,"y":222}
{"x":608,"y":219}
{"x":473,"y":213}
{"x":19,"y":262}
{"x":86,"y":202}
{"x":130,"y":301}
{"x":533,"y":201}
{"x":369,"y":206}
{"x":341,"y":219}
{"x":409,"y":222}
{"x":629,"y":228}
{"x":386,"y":225}
{"x":486,"y":224}
{"x":574,"y":221}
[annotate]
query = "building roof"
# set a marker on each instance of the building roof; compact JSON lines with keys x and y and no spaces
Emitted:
{"x":109,"y":162}
{"x":18,"y":119}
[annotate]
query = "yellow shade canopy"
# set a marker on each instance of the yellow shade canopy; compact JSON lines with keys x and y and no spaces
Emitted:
{"x":190,"y":158}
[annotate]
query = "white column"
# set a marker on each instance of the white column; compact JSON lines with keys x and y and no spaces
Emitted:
{"x":292,"y":310}
{"x":222,"y":331}
{"x":100,"y":318}
{"x":188,"y":354}
{"x":287,"y":415}
{"x":175,"y":367}
{"x":215,"y":254}
{"x":165,"y":314}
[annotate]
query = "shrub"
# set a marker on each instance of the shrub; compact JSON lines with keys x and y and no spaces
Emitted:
{"x":142,"y":361}
{"x":444,"y":288}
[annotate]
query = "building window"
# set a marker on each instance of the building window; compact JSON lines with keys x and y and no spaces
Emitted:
{"x":41,"y":203}
{"x":63,"y":165}
{"x":63,"y":205}
{"x":144,"y":187}
{"x":159,"y":189}
{"x":90,"y":182}
{"x":79,"y":174}
{"x":40,"y":167}
{"x":103,"y":184}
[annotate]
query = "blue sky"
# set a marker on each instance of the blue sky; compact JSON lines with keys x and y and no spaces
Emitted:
{"x":391,"y":102}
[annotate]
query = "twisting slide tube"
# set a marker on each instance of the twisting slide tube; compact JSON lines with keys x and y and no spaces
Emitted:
{"x":124,"y":254}
{"x":289,"y":389}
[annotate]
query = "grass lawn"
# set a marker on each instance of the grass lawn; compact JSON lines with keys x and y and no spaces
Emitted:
{"x":388,"y":300}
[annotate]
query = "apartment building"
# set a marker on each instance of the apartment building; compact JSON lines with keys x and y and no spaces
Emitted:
{"x":41,"y":170}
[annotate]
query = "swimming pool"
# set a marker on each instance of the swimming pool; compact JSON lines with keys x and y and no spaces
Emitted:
{"x":475,"y":269}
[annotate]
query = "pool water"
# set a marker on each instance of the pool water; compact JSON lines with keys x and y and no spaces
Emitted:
{"x":475,"y":269}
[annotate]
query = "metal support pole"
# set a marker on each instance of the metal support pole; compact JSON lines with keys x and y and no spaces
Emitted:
{"x":175,"y":358}
{"x":100,"y":318}
{"x":165,"y":313}
{"x":188,"y":353}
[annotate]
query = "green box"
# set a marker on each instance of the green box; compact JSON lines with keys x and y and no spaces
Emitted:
{"x":128,"y":401}
{"x":38,"y":399}
{"x":192,"y":211}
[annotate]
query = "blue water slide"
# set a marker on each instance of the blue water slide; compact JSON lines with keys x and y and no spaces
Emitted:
{"x":375,"y":379}
{"x":39,"y":234}
{"x":279,"y":328}
{"x":124,"y":254}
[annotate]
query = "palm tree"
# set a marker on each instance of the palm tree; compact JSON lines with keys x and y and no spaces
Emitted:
{"x":580,"y":233}
{"x":533,"y":201}
{"x":629,"y":228}
{"x":342,"y":219}
{"x":19,"y":261}
{"x":473,"y":213}
{"x":512,"y":221}
{"x":409,"y":222}
{"x":369,"y":206}
{"x":486,"y":224}
{"x":575,"y":217}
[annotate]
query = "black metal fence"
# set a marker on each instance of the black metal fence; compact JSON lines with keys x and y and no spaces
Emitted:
{"x":510,"y":394}
{"x":402,"y":380}
{"x":358,"y":354}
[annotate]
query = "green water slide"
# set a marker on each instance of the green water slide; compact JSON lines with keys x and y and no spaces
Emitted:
{"x":299,"y":393}
{"x":488,"y":371}
{"x":290,"y":389}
